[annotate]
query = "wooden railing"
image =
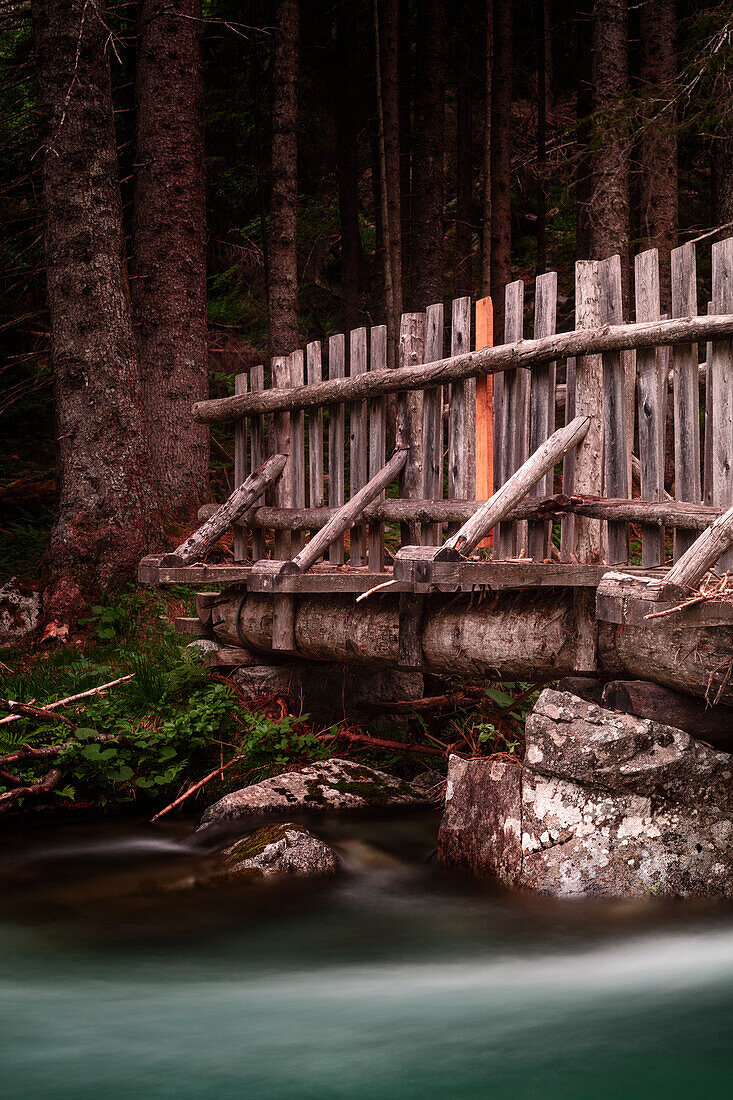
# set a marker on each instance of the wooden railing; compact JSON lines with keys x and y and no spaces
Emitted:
{"x":329,"y":411}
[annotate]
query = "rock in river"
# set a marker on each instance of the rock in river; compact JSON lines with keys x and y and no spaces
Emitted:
{"x":327,"y":785}
{"x":279,"y":850}
{"x":604,"y":804}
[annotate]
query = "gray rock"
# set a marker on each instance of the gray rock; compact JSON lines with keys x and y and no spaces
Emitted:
{"x":20,"y":611}
{"x":279,"y":850}
{"x":327,"y":785}
{"x":605,"y":804}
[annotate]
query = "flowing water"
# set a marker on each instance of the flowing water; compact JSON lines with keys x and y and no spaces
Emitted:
{"x":395,"y":980}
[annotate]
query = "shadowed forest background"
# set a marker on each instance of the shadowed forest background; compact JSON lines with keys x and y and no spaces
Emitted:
{"x":185,"y":192}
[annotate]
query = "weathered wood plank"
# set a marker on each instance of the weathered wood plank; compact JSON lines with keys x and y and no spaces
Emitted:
{"x":297,"y":449}
{"x":542,"y":407}
{"x":280,"y":373}
{"x":409,"y":419}
{"x":432,"y":488}
{"x":257,"y":450}
{"x":707,"y":486}
{"x":652,"y":409}
{"x":526,"y":356}
{"x":722,"y":385}
{"x":336,"y":434}
{"x":588,"y":473}
{"x":686,"y":391}
{"x":377,"y":440}
{"x":461,"y":411}
{"x":358,"y":447}
{"x":509,"y":538}
{"x":240,"y":467}
{"x":314,"y":369}
{"x":484,"y":404}
{"x":615,"y":443}
{"x":196,"y":545}
{"x":567,"y":527}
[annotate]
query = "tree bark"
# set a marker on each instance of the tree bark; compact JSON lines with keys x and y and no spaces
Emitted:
{"x":169,"y":284}
{"x":501,"y":158}
{"x":583,"y":111}
{"x":486,"y":152}
{"x":107,"y":509}
{"x":609,"y":206}
{"x":658,"y":149}
{"x":282,"y":289}
{"x":463,"y":266}
{"x":386,"y":14}
{"x":427,"y":161}
{"x":348,"y":161}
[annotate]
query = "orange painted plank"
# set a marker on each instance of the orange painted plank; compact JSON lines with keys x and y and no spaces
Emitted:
{"x":484,"y":405}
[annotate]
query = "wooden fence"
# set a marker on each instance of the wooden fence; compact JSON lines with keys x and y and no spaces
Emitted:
{"x":648,"y":388}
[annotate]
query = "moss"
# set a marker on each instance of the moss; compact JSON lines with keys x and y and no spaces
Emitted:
{"x":249,"y":847}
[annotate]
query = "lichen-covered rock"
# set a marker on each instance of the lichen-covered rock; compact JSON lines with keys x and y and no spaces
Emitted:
{"x":279,"y":850}
{"x":605,"y":804}
{"x":327,"y":785}
{"x":20,"y":610}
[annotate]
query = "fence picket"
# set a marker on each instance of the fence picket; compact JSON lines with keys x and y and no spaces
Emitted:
{"x":240,"y":468}
{"x":686,"y":392}
{"x":433,"y":423}
{"x":409,"y":424}
{"x":588,"y":471}
{"x":257,"y":452}
{"x":314,"y":373}
{"x":280,"y":368}
{"x":722,"y":379}
{"x":652,"y":409}
{"x":510,"y":538}
{"x":542,"y":407}
{"x":336,"y":423}
{"x":377,"y":441}
{"x":461,"y":411}
{"x":297,"y":451}
{"x":357,"y":442}
{"x":615,"y":445}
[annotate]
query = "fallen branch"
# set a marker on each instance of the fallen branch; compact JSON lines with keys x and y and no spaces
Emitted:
{"x":41,"y":714}
{"x":44,"y":752}
{"x":196,"y":787}
{"x":73,"y":698}
{"x":379,"y":742}
{"x":50,"y":780}
{"x":407,"y":706}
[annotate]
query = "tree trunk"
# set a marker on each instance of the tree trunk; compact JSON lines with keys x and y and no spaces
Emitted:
{"x":348,"y":160}
{"x":486,"y":152}
{"x":658,"y":150}
{"x":107,"y":509}
{"x":282,"y":289}
{"x":583,"y":111}
{"x":169,"y":284}
{"x":543,"y":30}
{"x":609,"y":207}
{"x":386,"y":14}
{"x":427,"y":161}
{"x":501,"y":159}
{"x":464,"y":162}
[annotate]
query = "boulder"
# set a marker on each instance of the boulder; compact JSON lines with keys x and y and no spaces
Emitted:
{"x":279,"y":850}
{"x":327,"y":785}
{"x":20,"y":610}
{"x":604,"y":804}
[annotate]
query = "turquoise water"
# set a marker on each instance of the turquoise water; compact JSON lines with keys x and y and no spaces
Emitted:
{"x":394,"y":981}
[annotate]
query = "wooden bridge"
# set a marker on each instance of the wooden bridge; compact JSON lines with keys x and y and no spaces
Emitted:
{"x":561,"y":540}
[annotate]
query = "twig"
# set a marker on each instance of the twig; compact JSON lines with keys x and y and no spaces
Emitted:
{"x":377,"y":588}
{"x":41,"y":714}
{"x":196,"y":787}
{"x":73,"y":698}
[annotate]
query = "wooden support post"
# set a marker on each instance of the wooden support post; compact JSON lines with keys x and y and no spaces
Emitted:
{"x":280,"y":366}
{"x":707,"y":484}
{"x":358,"y":456}
{"x":257,"y":451}
{"x":651,"y":408}
{"x":297,"y":450}
{"x":510,"y":539}
{"x":615,"y":442}
{"x":705,"y":551}
{"x":240,"y":468}
{"x":686,"y":391}
{"x":409,"y":421}
{"x":722,"y":385}
{"x":485,"y":405}
{"x":516,"y":488}
{"x":314,"y":369}
{"x":588,"y":473}
{"x":461,"y":411}
{"x":377,"y":441}
{"x":226,"y":514}
{"x":542,"y":408}
{"x":336,"y":418}
{"x":433,"y":422}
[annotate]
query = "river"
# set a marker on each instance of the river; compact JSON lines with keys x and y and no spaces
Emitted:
{"x":396,"y":980}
